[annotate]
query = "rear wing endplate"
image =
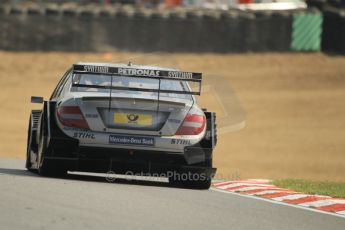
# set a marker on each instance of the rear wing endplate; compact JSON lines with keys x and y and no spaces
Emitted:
{"x":135,"y":72}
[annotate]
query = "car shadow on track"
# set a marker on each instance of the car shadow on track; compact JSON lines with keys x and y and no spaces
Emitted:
{"x":101,"y":179}
{"x":88,"y":178}
{"x":17,"y":172}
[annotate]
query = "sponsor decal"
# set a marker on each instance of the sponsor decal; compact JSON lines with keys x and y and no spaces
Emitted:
{"x":139,"y":72}
{"x":131,"y":140}
{"x":97,"y":69}
{"x":89,"y":115}
{"x":184,"y":75}
{"x":84,"y":135}
{"x":180,"y":142}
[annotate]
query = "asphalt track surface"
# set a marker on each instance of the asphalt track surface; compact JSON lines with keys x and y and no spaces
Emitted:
{"x":28,"y":201}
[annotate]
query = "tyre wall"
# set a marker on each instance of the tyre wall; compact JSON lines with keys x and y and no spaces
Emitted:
{"x":140,"y":29}
{"x":333,"y":37}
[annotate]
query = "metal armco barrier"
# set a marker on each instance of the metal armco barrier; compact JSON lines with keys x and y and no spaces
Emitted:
{"x":306,"y":31}
{"x":89,"y":29}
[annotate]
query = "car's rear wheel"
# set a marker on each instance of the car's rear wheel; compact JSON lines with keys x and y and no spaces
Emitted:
{"x":28,"y":163}
{"x":190,"y":180}
{"x":42,"y":166}
{"x":45,"y":167}
{"x":201,"y":184}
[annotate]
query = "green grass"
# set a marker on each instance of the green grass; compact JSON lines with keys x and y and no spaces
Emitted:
{"x":333,"y":189}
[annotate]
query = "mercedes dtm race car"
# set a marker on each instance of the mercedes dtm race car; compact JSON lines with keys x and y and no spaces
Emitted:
{"x":122,"y":118}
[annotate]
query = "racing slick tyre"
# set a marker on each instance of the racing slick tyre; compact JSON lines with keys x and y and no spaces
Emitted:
{"x":198,"y":184}
{"x":28,"y":162}
{"x":45,"y":169}
{"x":190,"y":182}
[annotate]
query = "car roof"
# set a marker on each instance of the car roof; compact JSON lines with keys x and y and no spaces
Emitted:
{"x":129,"y":65}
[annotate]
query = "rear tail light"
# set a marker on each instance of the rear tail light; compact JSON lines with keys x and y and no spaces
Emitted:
{"x":72,"y":116}
{"x":193,"y":124}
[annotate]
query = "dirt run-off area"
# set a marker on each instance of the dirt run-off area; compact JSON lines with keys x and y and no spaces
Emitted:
{"x":294,"y":103}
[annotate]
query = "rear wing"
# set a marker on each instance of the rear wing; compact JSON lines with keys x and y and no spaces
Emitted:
{"x":138,"y":73}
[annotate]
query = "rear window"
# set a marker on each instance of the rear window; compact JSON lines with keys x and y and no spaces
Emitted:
{"x":94,"y":80}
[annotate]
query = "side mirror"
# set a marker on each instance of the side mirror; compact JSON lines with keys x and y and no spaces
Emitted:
{"x":35,"y":99}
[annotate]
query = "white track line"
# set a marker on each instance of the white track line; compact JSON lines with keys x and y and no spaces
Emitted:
{"x":253,"y":188}
{"x":240,"y":184}
{"x":260,"y":181}
{"x":231,"y":185}
{"x":338,"y":214}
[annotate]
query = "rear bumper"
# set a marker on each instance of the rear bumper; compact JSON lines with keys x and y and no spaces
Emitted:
{"x":67,"y":153}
